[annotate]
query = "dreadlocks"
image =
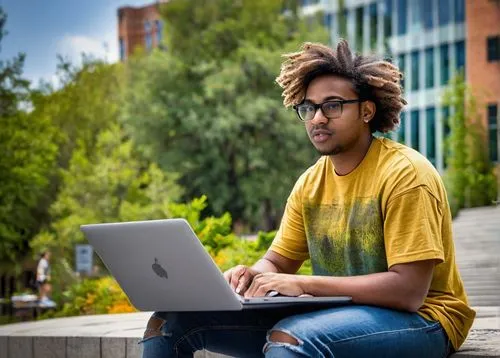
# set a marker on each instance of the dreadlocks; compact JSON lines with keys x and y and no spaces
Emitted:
{"x":373,"y":79}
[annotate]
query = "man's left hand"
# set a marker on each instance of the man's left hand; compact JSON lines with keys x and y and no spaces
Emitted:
{"x":284,"y":284}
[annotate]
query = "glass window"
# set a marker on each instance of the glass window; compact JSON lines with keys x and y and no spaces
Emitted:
{"x":149,"y":38}
{"x":427,"y":13}
{"x":429,"y":67}
{"x":159,"y":31}
{"x":430,"y":119}
{"x":459,"y":11}
{"x":415,"y":129}
{"x":493,"y":44}
{"x":443,"y":12}
{"x":328,"y":20}
{"x":402,"y":11}
{"x":401,"y":64}
{"x":388,"y":18}
{"x":415,"y":81}
{"x":359,"y":28}
{"x":372,"y":10}
{"x":415,"y":15}
{"x":445,"y":64}
{"x":493,"y":131}
{"x":460,"y":56}
{"x":402,"y":126}
{"x":122,"y":49}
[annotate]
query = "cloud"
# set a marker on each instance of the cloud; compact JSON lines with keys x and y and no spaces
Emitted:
{"x":104,"y":47}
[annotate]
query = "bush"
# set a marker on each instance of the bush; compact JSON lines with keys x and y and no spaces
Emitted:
{"x":94,"y":296}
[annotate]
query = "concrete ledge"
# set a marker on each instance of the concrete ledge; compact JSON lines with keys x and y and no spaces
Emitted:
{"x":117,"y":336}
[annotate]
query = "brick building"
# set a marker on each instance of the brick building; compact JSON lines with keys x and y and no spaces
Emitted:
{"x":139,"y":27}
{"x":483,"y":63}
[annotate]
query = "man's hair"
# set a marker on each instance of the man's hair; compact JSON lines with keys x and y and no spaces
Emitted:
{"x":373,"y":79}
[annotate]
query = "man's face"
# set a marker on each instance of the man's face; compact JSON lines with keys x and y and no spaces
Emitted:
{"x":334,"y":136}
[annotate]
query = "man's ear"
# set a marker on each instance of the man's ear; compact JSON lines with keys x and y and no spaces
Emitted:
{"x":368,"y":110}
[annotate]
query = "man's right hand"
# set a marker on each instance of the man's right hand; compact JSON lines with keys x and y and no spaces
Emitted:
{"x":240,"y":277}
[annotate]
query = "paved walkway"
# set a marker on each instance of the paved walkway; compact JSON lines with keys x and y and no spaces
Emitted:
{"x":477,"y":240}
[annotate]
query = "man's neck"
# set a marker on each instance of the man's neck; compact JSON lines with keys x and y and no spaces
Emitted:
{"x":346,"y":162}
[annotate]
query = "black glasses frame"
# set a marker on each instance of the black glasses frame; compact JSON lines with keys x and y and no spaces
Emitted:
{"x":320,"y":106}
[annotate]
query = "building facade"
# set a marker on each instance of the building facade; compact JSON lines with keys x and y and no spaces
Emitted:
{"x":139,"y":27}
{"x":430,"y":40}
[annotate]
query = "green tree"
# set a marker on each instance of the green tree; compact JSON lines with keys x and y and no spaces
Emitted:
{"x":88,"y":102}
{"x":209,"y":109}
{"x":470,"y":178}
{"x":109,"y":182}
{"x":27,"y":158}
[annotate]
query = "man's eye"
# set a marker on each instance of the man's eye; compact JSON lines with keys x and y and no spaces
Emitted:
{"x":330,"y":106}
{"x":306,"y":108}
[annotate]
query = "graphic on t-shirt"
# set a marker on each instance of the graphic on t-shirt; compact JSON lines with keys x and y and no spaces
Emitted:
{"x":346,"y":239}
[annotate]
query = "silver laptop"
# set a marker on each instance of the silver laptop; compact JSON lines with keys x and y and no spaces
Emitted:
{"x":162,"y":266}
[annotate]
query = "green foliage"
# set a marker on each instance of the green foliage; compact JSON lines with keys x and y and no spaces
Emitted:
{"x":215,"y":29}
{"x":264,"y":240}
{"x":469,"y":178}
{"x":89,"y":102}
{"x":107,"y":183}
{"x":93,"y":296}
{"x":28,"y":155}
{"x":28,"y":158}
{"x":214,"y":113}
{"x":215,"y":233}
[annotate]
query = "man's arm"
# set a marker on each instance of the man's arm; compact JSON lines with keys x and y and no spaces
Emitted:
{"x":274,"y":262}
{"x":403,"y":287}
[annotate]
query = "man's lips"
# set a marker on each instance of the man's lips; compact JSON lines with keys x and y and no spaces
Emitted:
{"x":321,"y":135}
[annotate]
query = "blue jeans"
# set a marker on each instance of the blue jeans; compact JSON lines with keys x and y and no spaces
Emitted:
{"x":348,"y":331}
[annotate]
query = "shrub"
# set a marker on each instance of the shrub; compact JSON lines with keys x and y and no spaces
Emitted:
{"x":94,"y":296}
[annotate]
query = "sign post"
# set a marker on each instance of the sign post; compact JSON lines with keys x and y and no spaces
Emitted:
{"x":84,"y":258}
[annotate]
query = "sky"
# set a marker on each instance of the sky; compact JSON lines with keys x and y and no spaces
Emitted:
{"x":42,"y":29}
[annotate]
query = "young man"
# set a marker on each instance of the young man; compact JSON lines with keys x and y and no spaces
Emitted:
{"x":373,"y":217}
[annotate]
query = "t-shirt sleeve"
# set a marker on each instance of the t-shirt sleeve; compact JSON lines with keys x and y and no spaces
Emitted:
{"x":412,"y":227}
{"x":290,"y":240}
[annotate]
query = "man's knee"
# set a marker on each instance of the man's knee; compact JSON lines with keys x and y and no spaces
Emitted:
{"x":154,"y":327}
{"x":282,"y":344}
{"x":282,"y":337}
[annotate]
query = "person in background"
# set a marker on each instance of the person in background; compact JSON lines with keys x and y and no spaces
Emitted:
{"x":43,"y":280}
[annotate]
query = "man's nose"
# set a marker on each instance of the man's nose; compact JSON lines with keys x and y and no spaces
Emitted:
{"x":319,"y":117}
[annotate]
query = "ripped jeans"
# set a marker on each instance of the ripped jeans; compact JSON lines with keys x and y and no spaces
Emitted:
{"x":348,"y":331}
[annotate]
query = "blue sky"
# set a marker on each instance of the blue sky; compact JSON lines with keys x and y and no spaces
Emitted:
{"x":44,"y":28}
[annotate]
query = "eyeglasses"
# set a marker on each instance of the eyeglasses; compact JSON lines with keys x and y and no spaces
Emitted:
{"x":331,"y":109}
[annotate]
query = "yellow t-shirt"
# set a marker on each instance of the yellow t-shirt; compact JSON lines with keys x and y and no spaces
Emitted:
{"x":391,"y":209}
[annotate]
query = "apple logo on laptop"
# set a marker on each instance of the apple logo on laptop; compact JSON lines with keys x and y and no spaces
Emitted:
{"x":160,"y":271}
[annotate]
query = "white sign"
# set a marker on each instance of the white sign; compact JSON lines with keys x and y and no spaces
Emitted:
{"x":84,"y":258}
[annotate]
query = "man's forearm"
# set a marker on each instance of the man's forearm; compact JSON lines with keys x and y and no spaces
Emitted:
{"x":386,"y":289}
{"x":264,"y":265}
